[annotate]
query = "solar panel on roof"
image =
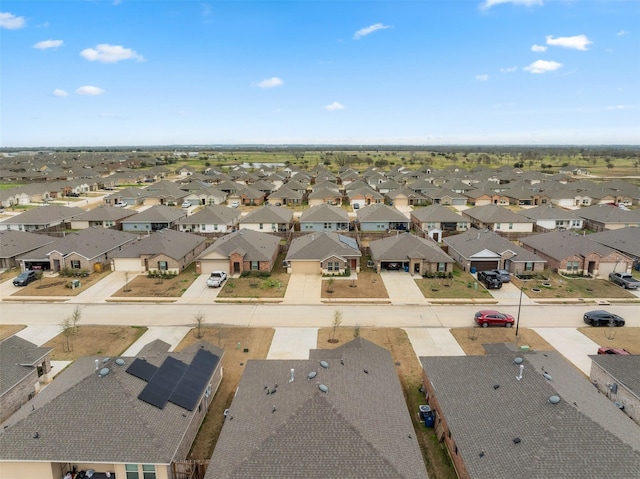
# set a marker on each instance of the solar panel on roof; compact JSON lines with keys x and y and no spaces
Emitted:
{"x":164,"y":381}
{"x":351,"y":242}
{"x":142,"y":369}
{"x":195,"y":379}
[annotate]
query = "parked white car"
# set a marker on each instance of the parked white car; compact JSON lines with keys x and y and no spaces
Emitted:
{"x":235,"y":204}
{"x":122,"y":204}
{"x":216,"y":279}
{"x":186,"y":204}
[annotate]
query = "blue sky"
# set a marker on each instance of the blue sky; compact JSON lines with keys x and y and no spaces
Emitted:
{"x":145,"y":72}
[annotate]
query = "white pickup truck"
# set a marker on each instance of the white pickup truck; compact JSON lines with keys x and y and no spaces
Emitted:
{"x":625,"y":280}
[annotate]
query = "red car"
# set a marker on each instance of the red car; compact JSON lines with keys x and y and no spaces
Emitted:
{"x":488,"y":318}
{"x":606,"y":350}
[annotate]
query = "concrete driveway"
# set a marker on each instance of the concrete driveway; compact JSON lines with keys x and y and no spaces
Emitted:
{"x":172,"y":335}
{"x":39,"y":335}
{"x":200,"y":290}
{"x":293,"y":343}
{"x":104,"y":288}
{"x":508,"y":294}
{"x":572,"y":344}
{"x":303,"y":289}
{"x":433,"y":342}
{"x":402,"y":288}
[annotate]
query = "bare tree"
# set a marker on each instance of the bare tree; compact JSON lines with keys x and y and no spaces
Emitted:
{"x":199,"y":319}
{"x":75,"y":318}
{"x":337,"y":321}
{"x":66,"y":327}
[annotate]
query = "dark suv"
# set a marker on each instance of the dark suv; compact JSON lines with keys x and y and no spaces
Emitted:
{"x":25,"y":278}
{"x":490,"y":279}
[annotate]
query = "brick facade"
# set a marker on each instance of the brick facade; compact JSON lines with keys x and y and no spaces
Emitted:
{"x":622,"y":395}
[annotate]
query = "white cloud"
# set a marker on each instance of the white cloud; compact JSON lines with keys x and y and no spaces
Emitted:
{"x":620,"y":107}
{"x":10,"y":21}
{"x":528,"y":3}
{"x":622,"y":33}
{"x":508,"y":70}
{"x":89,"y":90}
{"x":538,"y":48}
{"x":270,"y":83}
{"x":577,"y":42}
{"x":542,"y":66}
{"x":45,"y":44}
{"x":106,"y":53}
{"x":363,"y":32}
{"x":334,"y":106}
{"x":59,"y":92}
{"x":482,"y":77}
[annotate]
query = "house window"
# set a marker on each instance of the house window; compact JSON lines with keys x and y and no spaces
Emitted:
{"x":497,"y":226}
{"x":331,"y":266}
{"x":75,"y":264}
{"x":510,"y":226}
{"x":442,"y":267}
{"x":431,"y":225}
{"x":255,"y":265}
{"x":528,"y":266}
{"x":148,"y":471}
{"x":162,"y":266}
{"x":327,"y":226}
{"x":261,"y":226}
{"x":573,"y":265}
{"x":131,"y":471}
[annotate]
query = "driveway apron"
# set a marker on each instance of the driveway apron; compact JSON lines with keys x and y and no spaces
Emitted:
{"x":172,"y":335}
{"x":303,"y":289}
{"x":293,"y":343}
{"x":433,"y":342}
{"x":402,"y":288}
{"x":572,"y":344}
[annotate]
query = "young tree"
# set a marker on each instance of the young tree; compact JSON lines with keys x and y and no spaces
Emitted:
{"x":66,"y":327}
{"x":199,"y":319}
{"x":75,"y":318}
{"x":337,"y":321}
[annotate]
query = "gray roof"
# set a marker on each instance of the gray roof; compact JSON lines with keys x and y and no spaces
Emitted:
{"x":213,"y":214}
{"x":269,"y":214}
{"x":495,"y":214}
{"x":352,"y":431}
{"x":407,"y":246}
{"x":104,"y":213}
{"x":623,"y":368}
{"x":474,"y":241}
{"x":324,"y":213}
{"x":158,"y":213}
{"x":14,"y":243}
{"x":174,"y":244}
{"x":486,"y":408}
{"x":79,"y":405}
{"x":18,"y":357}
{"x":562,"y":244}
{"x":609,"y":214}
{"x":380,"y":212}
{"x":322,"y":245}
{"x":437,"y":213}
{"x":89,"y":243}
{"x":548,"y":212}
{"x":625,"y":240}
{"x":253,"y":245}
{"x":44,"y":215}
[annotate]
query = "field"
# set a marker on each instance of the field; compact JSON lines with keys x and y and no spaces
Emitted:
{"x":461,"y":285}
{"x":368,"y":285}
{"x":143,"y":286}
{"x":556,"y":286}
{"x":59,"y":285}
{"x":113,"y":341}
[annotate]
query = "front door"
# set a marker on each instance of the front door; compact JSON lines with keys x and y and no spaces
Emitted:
{"x":236,"y":267}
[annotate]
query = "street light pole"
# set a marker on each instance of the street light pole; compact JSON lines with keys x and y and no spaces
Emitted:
{"x":519,"y":307}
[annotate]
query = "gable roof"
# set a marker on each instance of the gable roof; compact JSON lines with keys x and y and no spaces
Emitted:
{"x":437,"y":213}
{"x":609,"y":214}
{"x":174,"y":244}
{"x":562,"y":244}
{"x":321,"y":245}
{"x":14,"y":243}
{"x":157,"y":213}
{"x":212,"y":214}
{"x":626,"y":240}
{"x":18,"y":357}
{"x":253,"y":245}
{"x":407,"y":246}
{"x":316,"y":434}
{"x":380,"y":212}
{"x":474,"y":241}
{"x":268,"y":214}
{"x":549,"y":212}
{"x":324,"y":213}
{"x":44,"y":215}
{"x":105,"y":213}
{"x":495,"y":214}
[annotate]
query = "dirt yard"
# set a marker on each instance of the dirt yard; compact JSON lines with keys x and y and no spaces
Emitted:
{"x":57,"y":285}
{"x":7,"y":330}
{"x":472,"y":339}
{"x":113,"y":341}
{"x":255,"y":286}
{"x":257,"y":341}
{"x":144,"y":287}
{"x":556,"y":286}
{"x":627,"y":338}
{"x":368,"y":285}
{"x":462,"y":286}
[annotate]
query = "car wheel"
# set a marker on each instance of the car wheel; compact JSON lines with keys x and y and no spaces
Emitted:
{"x":508,"y":325}
{"x":595,"y":323}
{"x":485,"y":325}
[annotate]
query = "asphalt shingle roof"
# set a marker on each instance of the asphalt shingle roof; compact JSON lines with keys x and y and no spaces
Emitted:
{"x":407,"y":246}
{"x":269,"y":214}
{"x":380,"y":212}
{"x":17,"y":360}
{"x":174,"y":244}
{"x":324,"y":213}
{"x":14,"y":243}
{"x":561,"y":244}
{"x":44,"y":215}
{"x":254,"y":245}
{"x":320,"y":246}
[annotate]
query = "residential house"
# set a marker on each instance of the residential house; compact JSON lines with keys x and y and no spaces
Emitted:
{"x":165,"y":192}
{"x":165,"y":251}
{"x":381,"y":217}
{"x":498,"y":218}
{"x":25,"y":369}
{"x":344,"y":442}
{"x":286,"y":196}
{"x":324,"y":195}
{"x":605,"y":217}
{"x":359,"y":197}
{"x":248,"y":196}
{"x":404,"y":196}
{"x":120,"y":417}
{"x":88,"y":250}
{"x":551,"y":218}
{"x":616,"y":377}
{"x":416,"y":255}
{"x":324,"y":217}
{"x":445,"y":197}
{"x":41,"y":218}
{"x":101,"y":217}
{"x":481,"y":250}
{"x":243,"y":250}
{"x":269,"y":218}
{"x":18,"y":243}
{"x":437,"y":220}
{"x":211,"y":219}
{"x":624,"y":240}
{"x":480,"y":197}
{"x":507,"y":415}
{"x":128,"y":196}
{"x":570,"y":253}
{"x":324,"y":252}
{"x":156,"y":218}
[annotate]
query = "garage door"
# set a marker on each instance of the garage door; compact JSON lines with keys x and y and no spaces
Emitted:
{"x":306,"y":267}
{"x":128,"y":264}
{"x":606,"y":268}
{"x":207,"y":266}
{"x":484,"y":265}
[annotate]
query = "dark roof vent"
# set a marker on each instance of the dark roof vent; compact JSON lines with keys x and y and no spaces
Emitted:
{"x":517,"y":440}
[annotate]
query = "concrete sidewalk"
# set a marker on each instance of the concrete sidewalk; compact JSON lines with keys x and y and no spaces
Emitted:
{"x":433,"y":342}
{"x":572,"y":344}
{"x":172,"y":335}
{"x":293,"y":343}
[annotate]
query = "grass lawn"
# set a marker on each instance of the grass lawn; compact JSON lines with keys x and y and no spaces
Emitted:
{"x":144,"y":287}
{"x":460,"y":286}
{"x":255,"y":286}
{"x":471,"y":339}
{"x":94,"y":341}
{"x":57,"y":285}
{"x":625,"y":337}
{"x":556,"y":286}
{"x":257,"y":341}
{"x":368,"y":285}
